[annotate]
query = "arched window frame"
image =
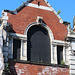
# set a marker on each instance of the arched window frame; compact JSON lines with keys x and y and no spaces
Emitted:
{"x":49,"y":33}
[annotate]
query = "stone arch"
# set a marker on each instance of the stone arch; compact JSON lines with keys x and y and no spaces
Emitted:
{"x":43,"y":25}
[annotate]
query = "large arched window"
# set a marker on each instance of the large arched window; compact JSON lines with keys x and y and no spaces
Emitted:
{"x":38,"y":45}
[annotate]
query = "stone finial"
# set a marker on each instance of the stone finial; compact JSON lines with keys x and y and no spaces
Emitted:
{"x":74,"y":22}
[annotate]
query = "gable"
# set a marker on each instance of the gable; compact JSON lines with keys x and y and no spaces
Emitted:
{"x":43,"y":4}
{"x":29,"y":14}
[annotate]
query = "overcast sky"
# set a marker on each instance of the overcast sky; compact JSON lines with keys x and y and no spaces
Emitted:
{"x":67,"y":7}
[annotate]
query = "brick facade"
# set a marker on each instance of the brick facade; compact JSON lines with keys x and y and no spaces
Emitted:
{"x":21,"y":20}
{"x":28,"y":15}
{"x":33,"y":69}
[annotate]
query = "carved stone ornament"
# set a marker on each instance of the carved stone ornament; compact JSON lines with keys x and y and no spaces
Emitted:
{"x":73,"y":47}
{"x":73,"y":52}
{"x":39,"y":19}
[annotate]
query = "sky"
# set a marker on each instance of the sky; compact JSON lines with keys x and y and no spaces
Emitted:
{"x":67,"y":7}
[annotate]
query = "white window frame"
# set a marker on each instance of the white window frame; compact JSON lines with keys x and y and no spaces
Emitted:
{"x":22,"y":38}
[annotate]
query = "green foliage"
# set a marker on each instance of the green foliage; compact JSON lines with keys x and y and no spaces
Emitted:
{"x":62,"y":62}
{"x":59,"y":11}
{"x":22,"y":1}
{"x":51,"y":5}
{"x":6,"y":70}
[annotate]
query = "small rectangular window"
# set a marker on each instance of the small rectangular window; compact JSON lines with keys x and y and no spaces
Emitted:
{"x":59,"y":54}
{"x":16,"y":49}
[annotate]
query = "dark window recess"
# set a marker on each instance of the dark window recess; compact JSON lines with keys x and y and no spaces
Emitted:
{"x":16,"y":49}
{"x":38,"y":45}
{"x":59,"y":54}
{"x":38,"y":3}
{"x":40,"y":21}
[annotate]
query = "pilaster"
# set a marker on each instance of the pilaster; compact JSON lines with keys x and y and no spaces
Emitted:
{"x":24,"y":50}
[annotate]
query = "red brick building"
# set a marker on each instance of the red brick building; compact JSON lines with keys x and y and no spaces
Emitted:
{"x":36,"y":40}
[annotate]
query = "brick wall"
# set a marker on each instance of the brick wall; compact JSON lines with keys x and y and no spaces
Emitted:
{"x":32,"y":69}
{"x":29,"y":15}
